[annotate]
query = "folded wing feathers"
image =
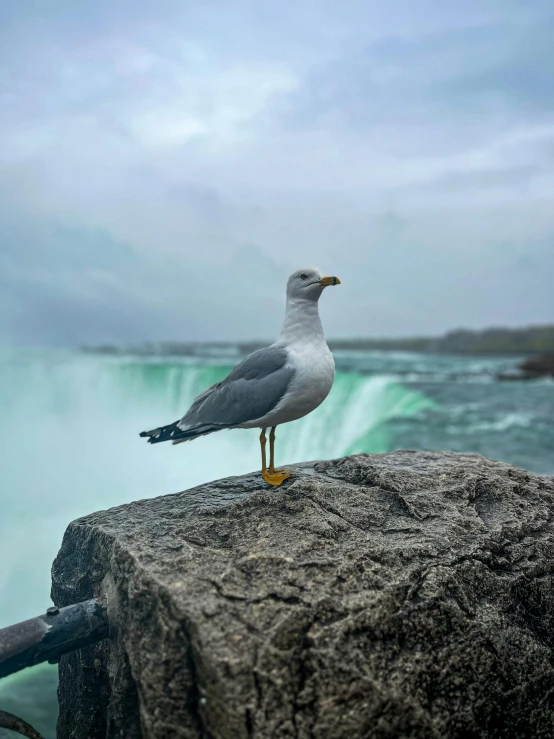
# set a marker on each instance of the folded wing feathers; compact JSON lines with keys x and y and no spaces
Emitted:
{"x":250,"y":391}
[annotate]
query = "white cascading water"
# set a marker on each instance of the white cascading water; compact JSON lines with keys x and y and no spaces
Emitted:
{"x":70,"y":446}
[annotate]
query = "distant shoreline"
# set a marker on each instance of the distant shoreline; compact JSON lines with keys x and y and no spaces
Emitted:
{"x":516,"y":342}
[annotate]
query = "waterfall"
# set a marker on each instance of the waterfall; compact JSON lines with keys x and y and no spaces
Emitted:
{"x":70,"y":445}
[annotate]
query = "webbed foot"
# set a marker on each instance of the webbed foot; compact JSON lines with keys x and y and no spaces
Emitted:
{"x":277,"y":477}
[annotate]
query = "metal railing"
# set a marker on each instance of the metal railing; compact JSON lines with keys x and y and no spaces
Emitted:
{"x":46,"y":638}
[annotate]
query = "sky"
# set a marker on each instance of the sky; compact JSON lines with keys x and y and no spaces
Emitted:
{"x":165,"y":165}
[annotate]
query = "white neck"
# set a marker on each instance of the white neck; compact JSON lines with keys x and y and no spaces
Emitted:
{"x":302,"y":322}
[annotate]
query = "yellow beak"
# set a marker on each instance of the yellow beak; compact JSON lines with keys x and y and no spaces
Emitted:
{"x":328,"y":281}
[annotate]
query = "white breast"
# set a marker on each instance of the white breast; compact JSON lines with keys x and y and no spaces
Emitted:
{"x":312,"y":381}
{"x":309,"y":356}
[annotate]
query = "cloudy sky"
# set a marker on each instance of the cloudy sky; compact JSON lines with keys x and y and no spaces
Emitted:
{"x":165,"y":164}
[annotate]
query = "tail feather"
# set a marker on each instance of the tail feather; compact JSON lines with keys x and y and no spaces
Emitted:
{"x":163,"y":433}
{"x":172,"y":432}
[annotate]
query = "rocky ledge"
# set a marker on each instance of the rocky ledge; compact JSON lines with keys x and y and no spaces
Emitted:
{"x":398,"y":595}
{"x":535,"y":368}
{"x":538,"y":367}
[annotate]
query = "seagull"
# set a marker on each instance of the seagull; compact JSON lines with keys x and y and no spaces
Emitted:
{"x":275,"y":385}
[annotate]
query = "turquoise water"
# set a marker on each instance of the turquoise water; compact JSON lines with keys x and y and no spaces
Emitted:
{"x":69,"y":424}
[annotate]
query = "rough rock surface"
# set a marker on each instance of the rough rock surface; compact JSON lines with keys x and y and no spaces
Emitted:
{"x":398,"y":595}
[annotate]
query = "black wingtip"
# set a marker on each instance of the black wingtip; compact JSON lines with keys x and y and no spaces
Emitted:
{"x":162,"y":433}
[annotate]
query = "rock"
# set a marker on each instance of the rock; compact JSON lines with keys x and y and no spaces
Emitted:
{"x":408,"y":594}
{"x":530,"y":369}
{"x":538,"y":367}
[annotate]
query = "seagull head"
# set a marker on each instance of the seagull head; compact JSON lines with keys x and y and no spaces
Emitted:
{"x":308,"y":283}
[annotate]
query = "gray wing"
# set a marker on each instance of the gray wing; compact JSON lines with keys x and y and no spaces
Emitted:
{"x":252,"y":389}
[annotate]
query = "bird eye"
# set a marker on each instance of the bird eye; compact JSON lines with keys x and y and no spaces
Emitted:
{"x":303,"y":277}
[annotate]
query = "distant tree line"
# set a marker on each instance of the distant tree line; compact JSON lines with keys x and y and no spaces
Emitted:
{"x":530,"y":341}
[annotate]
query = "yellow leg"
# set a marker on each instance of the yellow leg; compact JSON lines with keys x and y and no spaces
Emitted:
{"x":272,"y":450}
{"x":262,"y":445}
{"x":271,"y":475}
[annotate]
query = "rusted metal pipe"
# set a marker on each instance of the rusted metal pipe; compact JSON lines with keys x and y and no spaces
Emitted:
{"x":9,"y":721}
{"x":45,"y":638}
